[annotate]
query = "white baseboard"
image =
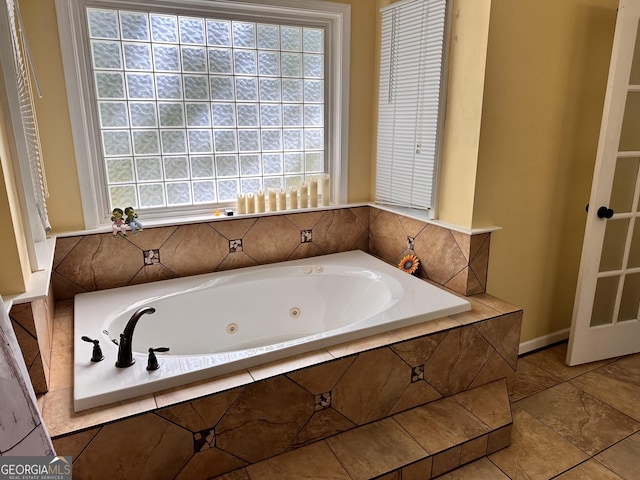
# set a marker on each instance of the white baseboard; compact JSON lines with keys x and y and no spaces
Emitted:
{"x":544,"y":341}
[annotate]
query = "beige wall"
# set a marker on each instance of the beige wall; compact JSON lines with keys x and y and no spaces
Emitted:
{"x":12,"y":275}
{"x":520,"y":136}
{"x":463,"y":114}
{"x":65,"y":211}
{"x":14,"y":259}
{"x":361,"y":108}
{"x":546,"y":74}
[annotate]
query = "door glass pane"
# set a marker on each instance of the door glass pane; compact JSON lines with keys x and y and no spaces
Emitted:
{"x":613,"y":246}
{"x":634,"y":78}
{"x":604,"y":301}
{"x":634,"y":251}
{"x":630,"y":298}
{"x":629,"y":138}
{"x":624,"y":183}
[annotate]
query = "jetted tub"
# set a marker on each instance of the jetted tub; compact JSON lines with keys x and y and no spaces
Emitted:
{"x":221,"y":322}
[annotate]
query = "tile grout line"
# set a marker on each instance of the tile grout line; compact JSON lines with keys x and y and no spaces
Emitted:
{"x":563,"y":381}
{"x":344,"y":467}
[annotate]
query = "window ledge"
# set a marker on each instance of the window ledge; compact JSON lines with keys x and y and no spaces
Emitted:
{"x":171,"y":221}
{"x":39,"y":283}
{"x":423,"y":215}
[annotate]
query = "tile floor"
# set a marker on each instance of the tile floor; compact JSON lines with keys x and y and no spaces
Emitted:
{"x":569,"y":423}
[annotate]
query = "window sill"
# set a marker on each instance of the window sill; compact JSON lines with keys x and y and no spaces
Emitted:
{"x":39,"y":283}
{"x":423,"y":216}
{"x":171,"y":221}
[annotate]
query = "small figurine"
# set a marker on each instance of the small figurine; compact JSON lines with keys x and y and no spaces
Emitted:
{"x":119,"y":225}
{"x":132,"y":220}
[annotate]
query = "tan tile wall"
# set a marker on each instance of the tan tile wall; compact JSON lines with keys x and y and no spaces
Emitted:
{"x":95,"y":262}
{"x":420,"y":443}
{"x":33,"y":325}
{"x":453,"y":259}
{"x":211,"y":435}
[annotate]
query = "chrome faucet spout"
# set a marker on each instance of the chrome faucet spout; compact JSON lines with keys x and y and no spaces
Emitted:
{"x":125,"y":352}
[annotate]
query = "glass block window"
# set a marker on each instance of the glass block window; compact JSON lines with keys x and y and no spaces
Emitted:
{"x":193,"y":110}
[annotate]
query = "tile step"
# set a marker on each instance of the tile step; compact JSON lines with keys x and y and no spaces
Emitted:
{"x":423,"y":442}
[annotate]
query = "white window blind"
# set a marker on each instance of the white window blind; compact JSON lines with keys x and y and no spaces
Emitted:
{"x":411,"y":68}
{"x":29,"y":122}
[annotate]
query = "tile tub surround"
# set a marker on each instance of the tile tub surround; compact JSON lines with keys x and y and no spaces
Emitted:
{"x":33,"y":325}
{"x":213,"y":427}
{"x":399,"y":443}
{"x":98,"y":261}
{"x":455,"y":260}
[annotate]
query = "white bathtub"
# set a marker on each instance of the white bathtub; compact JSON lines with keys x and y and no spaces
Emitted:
{"x":226,"y":321}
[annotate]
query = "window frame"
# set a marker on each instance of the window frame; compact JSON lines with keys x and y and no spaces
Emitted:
{"x":334,"y":17}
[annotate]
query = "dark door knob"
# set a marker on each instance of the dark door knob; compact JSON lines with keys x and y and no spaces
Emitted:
{"x":604,"y":212}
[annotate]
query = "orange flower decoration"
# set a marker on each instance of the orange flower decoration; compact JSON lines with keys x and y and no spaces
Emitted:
{"x":409,"y":264}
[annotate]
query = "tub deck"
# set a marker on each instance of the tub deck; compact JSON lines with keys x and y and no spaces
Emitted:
{"x":56,"y":406}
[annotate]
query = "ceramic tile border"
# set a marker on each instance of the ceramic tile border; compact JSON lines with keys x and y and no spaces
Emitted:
{"x":450,"y":257}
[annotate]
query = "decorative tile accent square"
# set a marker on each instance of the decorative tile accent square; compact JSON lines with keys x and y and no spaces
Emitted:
{"x":411,"y":243}
{"x":417,"y":373}
{"x":235,"y":245}
{"x":305,"y":236}
{"x":152,"y":256}
{"x":204,"y":440}
{"x":323,"y":401}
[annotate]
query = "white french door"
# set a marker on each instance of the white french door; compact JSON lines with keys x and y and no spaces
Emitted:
{"x":607,"y":306}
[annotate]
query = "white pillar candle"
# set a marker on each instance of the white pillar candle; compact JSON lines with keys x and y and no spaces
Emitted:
{"x":303,"y":195}
{"x":242,"y":204}
{"x":313,"y":193}
{"x":260,"y":201}
{"x":293,"y":197}
{"x":251,"y":203}
{"x":326,"y":195}
{"x":272,"y":200}
{"x":282,"y":199}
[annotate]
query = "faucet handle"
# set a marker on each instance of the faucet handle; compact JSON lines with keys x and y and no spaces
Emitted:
{"x":152,"y":362}
{"x":96,"y":355}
